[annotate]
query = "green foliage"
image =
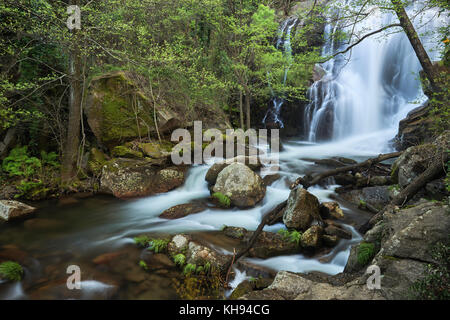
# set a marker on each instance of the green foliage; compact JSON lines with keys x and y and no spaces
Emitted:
{"x":158,"y":245}
{"x":435,"y":284}
{"x":11,"y":271}
{"x":19,"y":163}
{"x":142,"y":241}
{"x":179,"y":259}
{"x":291,"y":236}
{"x":143,"y":265}
{"x":224,"y":200}
{"x":189,"y":268}
{"x":366,"y":252}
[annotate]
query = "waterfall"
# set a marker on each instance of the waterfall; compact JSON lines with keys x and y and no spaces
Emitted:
{"x":373,"y":86}
{"x":272,"y":117}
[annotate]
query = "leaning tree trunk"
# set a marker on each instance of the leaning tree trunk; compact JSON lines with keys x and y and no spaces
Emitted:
{"x":414,"y":39}
{"x":70,"y":153}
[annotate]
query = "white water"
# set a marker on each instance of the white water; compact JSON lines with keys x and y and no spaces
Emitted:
{"x":372,"y":87}
{"x":284,"y":40}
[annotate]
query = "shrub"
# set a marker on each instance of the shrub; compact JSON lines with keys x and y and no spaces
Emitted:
{"x":179,"y":259}
{"x":435,"y":284}
{"x":366,"y":252}
{"x":224,"y":200}
{"x":158,"y":245}
{"x":11,"y":271}
{"x":142,"y":241}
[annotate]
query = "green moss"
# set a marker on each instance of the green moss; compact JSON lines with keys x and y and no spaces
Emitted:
{"x":143,"y":265}
{"x":142,"y":241}
{"x":366,"y":252}
{"x":158,"y":245}
{"x":124,"y":152}
{"x":179,"y":259}
{"x":224,"y":200}
{"x":11,"y":271}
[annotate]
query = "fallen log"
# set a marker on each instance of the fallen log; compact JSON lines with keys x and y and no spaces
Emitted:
{"x":309,"y":181}
{"x":268,"y":219}
{"x":434,"y":171}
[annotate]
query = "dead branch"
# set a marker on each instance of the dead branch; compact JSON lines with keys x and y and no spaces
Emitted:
{"x":309,"y":181}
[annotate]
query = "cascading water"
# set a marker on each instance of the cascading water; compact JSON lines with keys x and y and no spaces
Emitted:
{"x":272,"y":117}
{"x":372,"y":87}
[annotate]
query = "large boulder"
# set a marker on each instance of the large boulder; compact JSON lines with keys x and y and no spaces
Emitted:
{"x":10,"y":209}
{"x":268,"y":244}
{"x":118,"y":109}
{"x":312,"y":238}
{"x":415,"y":160}
{"x":252,"y":162}
{"x":301,"y":209}
{"x":129,"y":178}
{"x":244,"y":187}
{"x":415,"y":128}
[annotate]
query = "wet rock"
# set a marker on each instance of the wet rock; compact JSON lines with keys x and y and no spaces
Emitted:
{"x":252,"y":162}
{"x":268,"y":244}
{"x":156,"y":260}
{"x":178,"y":244}
{"x":301,"y":209}
{"x":127,"y":178}
{"x":244,"y":187}
{"x":330,"y":241}
{"x":11,"y":209}
{"x":270,"y":178}
{"x":331,"y":209}
{"x":195,"y":252}
{"x":213,"y":172}
{"x":312,"y":238}
{"x":182,"y":210}
{"x":339,"y":232}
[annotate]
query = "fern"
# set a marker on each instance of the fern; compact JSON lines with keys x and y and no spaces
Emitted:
{"x":11,"y":271}
{"x":158,"y":245}
{"x":224,"y":200}
{"x":179,"y":259}
{"x":142,"y":241}
{"x":189,"y":268}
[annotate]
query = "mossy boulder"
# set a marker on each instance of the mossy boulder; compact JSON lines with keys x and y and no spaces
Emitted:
{"x":97,"y":159}
{"x":129,"y":178}
{"x":125,"y":152}
{"x":238,"y":182}
{"x":118,"y":109}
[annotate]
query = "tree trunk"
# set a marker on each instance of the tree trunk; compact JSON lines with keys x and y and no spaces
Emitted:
{"x":70,"y":154}
{"x":241,"y":110}
{"x":414,"y":39}
{"x":247,"y":105}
